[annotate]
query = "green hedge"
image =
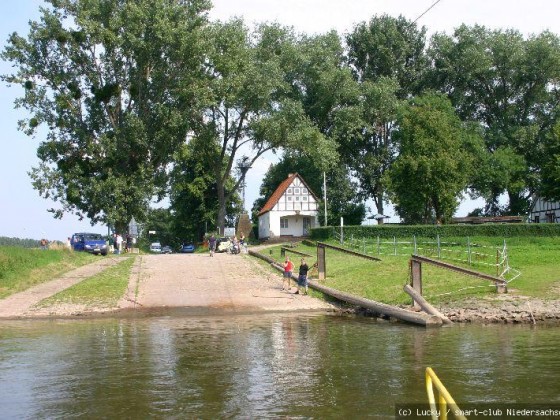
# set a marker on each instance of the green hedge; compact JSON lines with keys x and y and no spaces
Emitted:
{"x":431,"y":231}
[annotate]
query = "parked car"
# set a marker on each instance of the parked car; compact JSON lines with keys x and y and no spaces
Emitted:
{"x":155,"y":247}
{"x":93,"y":243}
{"x":187,"y":248}
{"x":166,"y":250}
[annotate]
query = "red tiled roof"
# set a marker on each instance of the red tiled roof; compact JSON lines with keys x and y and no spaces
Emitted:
{"x":269,"y":205}
{"x":277,"y":194}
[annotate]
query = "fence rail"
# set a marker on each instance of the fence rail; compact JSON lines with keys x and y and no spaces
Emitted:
{"x":494,"y":259}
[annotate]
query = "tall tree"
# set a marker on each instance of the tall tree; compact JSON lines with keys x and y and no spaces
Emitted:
{"x":550,"y":179}
{"x":435,"y":160}
{"x":251,"y":110}
{"x":387,"y":58}
{"x":509,"y":85}
{"x":116,"y":85}
{"x":193,"y":193}
{"x":389,"y":47}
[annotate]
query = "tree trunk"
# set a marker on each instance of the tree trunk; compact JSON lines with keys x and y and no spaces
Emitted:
{"x":221,"y":217}
{"x":517,"y":203}
{"x":378,"y":200}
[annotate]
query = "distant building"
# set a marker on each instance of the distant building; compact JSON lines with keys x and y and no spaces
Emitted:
{"x":543,"y":211}
{"x":290,"y":211}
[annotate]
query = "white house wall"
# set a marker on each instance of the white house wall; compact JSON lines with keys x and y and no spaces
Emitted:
{"x":296,"y":203}
{"x":295,"y":222}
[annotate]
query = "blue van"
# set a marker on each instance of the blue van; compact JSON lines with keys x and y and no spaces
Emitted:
{"x":93,"y":243}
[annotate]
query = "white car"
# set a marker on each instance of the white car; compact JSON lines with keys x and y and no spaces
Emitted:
{"x":155,"y":247}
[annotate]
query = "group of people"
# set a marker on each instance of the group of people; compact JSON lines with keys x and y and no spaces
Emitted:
{"x":236,"y":244}
{"x":302,"y":285}
{"x":302,"y":276}
{"x":121,"y":244}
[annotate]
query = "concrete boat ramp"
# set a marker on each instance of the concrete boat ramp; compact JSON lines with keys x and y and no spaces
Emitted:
{"x":174,"y":283}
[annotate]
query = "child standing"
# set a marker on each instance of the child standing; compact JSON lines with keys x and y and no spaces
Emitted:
{"x":288,"y":269}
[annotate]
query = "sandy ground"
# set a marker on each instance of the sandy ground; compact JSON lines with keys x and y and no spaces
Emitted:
{"x":185,"y":283}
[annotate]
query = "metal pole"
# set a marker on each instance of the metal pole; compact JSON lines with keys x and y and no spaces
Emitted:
{"x":325,"y":195}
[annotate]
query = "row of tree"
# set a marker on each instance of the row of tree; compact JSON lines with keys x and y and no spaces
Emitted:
{"x":149,"y":99}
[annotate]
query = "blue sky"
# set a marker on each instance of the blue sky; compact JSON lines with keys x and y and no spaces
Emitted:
{"x":24,"y":214}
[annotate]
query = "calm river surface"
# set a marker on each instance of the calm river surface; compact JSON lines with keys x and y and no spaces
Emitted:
{"x":263,"y":366}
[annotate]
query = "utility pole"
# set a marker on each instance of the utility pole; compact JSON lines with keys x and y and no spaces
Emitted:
{"x":325,"y":195}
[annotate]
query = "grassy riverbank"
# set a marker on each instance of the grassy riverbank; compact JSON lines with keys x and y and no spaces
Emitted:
{"x":103,"y":290}
{"x":536,"y":258}
{"x":22,"y":268}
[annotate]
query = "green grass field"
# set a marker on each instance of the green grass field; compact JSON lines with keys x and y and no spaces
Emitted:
{"x":536,"y":258}
{"x":22,"y":268}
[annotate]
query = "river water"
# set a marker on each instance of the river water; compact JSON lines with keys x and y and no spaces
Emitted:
{"x":264,"y":366}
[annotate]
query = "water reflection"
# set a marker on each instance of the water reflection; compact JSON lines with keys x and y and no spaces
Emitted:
{"x":318,"y":366}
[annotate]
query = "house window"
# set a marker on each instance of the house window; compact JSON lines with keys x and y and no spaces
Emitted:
{"x":289,"y":191}
{"x":537,"y":219}
{"x":304,"y":190}
{"x":304,"y":198}
{"x":284,"y":223}
{"x":290,"y":198}
{"x":550,"y":218}
{"x":297,"y":198}
{"x":296,"y":190}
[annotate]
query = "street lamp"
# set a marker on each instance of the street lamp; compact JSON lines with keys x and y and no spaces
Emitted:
{"x":243,"y":166}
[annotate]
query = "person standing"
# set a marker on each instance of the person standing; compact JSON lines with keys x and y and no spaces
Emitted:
{"x":302,"y":277}
{"x":288,"y":269}
{"x":212,"y":245}
{"x":128,"y":243}
{"x":119,"y":241}
{"x":242,"y":243}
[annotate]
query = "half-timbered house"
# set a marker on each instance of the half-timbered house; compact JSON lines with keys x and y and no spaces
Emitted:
{"x":290,"y":211}
{"x":543,"y":211}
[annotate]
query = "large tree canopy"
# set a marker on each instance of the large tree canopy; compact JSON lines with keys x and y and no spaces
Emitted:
{"x":116,"y":85}
{"x":386,"y":56}
{"x":435,"y":160}
{"x":193,"y":194}
{"x":510,"y":86}
{"x":251,"y":109}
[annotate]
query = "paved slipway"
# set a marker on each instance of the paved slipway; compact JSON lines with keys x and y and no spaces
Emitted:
{"x":173,"y":284}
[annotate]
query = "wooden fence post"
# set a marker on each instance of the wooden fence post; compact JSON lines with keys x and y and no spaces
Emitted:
{"x":321,"y":262}
{"x":416,"y":271}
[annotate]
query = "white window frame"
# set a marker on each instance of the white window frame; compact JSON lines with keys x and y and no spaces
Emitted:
{"x":284,"y":223}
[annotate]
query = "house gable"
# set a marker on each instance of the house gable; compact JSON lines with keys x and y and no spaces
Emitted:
{"x":293,"y":194}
